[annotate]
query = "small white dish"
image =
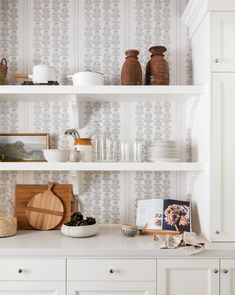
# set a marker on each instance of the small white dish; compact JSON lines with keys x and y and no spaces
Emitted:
{"x":80,"y":231}
{"x":56,"y":155}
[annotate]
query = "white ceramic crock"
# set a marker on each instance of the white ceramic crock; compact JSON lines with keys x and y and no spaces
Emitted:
{"x":43,"y":74}
{"x":87,"y":78}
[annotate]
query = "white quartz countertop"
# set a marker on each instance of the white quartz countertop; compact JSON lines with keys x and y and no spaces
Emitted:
{"x":107,"y":243}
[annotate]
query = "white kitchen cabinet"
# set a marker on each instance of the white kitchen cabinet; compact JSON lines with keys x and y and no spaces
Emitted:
{"x":188,"y":276}
{"x":223,"y":41}
{"x":32,"y":288}
{"x":111,"y":288}
{"x":227,"y":286}
{"x":223,"y":157}
{"x":32,"y":276}
{"x":111,"y":276}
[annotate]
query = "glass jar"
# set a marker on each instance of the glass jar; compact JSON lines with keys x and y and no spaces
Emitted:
{"x":84,"y":146}
{"x":8,"y":221}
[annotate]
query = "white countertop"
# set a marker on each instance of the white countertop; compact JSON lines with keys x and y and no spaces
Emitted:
{"x":107,"y":243}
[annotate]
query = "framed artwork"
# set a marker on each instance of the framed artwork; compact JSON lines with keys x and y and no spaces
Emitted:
{"x":24,"y":147}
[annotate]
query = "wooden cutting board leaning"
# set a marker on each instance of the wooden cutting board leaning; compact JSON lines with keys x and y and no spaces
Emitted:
{"x":24,"y":201}
{"x":45,"y":210}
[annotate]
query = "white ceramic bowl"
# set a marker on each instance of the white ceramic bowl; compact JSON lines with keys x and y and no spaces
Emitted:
{"x":56,"y":155}
{"x":80,"y":231}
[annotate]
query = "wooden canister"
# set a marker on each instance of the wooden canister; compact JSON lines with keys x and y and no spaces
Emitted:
{"x":157,"y":69}
{"x":131,"y":73}
{"x":3,"y":71}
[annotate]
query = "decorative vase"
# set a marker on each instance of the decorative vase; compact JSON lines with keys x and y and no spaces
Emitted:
{"x":131,"y":73}
{"x":157,"y":70}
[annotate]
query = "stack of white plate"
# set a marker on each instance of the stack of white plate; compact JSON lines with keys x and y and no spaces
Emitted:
{"x":162,"y":150}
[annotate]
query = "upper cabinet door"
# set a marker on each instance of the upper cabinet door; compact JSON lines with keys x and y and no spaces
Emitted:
{"x":223,"y":42}
{"x":223,"y":157}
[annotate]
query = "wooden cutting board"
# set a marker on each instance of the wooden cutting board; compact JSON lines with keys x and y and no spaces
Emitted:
{"x":45,"y":210}
{"x":24,"y":192}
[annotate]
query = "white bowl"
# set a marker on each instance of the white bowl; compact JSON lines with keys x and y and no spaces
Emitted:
{"x":80,"y":231}
{"x":56,"y":155}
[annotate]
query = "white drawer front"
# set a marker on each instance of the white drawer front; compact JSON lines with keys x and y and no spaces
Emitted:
{"x":111,"y":269}
{"x":32,"y":269}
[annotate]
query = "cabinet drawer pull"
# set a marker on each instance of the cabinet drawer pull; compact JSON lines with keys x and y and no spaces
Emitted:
{"x":217,"y":60}
{"x":111,"y":270}
{"x":216,"y":270}
{"x":225,"y":270}
{"x":20,"y":270}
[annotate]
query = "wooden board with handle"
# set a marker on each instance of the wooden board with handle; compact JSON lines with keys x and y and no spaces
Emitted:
{"x":45,"y":210}
{"x":24,"y":192}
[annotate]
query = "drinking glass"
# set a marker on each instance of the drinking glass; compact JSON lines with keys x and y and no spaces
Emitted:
{"x":124,"y":152}
{"x":136,"y":150}
{"x":104,"y":149}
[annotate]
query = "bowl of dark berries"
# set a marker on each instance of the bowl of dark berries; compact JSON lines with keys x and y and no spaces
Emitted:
{"x":78,"y":227}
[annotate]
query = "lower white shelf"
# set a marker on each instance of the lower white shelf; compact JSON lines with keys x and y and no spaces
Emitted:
{"x":101,"y":166}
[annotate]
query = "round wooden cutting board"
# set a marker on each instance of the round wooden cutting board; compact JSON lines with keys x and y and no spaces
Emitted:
{"x":45,"y":210}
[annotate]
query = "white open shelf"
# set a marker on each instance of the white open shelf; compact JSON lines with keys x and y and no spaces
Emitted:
{"x":100,"y":93}
{"x":101,"y":166}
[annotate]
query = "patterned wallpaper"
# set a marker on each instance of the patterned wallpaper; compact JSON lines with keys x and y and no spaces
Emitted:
{"x":93,"y":34}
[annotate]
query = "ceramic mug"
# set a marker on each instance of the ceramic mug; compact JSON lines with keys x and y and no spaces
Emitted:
{"x":87,"y":78}
{"x":43,"y":74}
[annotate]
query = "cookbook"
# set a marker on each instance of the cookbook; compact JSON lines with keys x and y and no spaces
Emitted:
{"x":165,"y":214}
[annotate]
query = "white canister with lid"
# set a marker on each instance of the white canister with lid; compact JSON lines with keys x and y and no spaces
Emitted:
{"x":87,"y":78}
{"x":84,"y":146}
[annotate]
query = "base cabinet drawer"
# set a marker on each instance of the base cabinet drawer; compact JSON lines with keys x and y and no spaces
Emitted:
{"x":32,"y":269}
{"x":32,"y":288}
{"x":111,"y":288}
{"x":111,"y":270}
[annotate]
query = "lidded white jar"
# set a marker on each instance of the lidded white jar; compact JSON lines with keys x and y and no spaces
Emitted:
{"x":84,"y":146}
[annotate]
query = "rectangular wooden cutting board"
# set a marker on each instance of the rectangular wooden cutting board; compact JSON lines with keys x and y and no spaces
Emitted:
{"x":24,"y":192}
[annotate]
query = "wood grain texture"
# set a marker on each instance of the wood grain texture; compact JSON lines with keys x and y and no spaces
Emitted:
{"x":44,"y":211}
{"x":24,"y":193}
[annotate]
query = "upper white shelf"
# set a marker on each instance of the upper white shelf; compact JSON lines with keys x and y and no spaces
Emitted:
{"x":101,"y":166}
{"x":101,"y":93}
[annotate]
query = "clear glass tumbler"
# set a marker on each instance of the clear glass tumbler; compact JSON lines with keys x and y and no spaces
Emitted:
{"x":124,"y":152}
{"x":136,"y":152}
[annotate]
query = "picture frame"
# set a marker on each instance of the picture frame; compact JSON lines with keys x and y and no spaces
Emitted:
{"x":24,"y":147}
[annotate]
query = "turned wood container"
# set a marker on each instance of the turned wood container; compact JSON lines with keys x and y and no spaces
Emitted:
{"x":131,"y":73}
{"x":3,"y":71}
{"x":157,"y":69}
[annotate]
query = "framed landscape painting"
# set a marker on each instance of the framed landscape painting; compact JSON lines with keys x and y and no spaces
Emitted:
{"x":23,"y":146}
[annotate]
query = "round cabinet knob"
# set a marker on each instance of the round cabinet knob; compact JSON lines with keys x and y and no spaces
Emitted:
{"x":217,"y":60}
{"x":225,"y":270}
{"x":20,"y":270}
{"x":217,"y":232}
{"x":216,"y":270}
{"x":111,"y":270}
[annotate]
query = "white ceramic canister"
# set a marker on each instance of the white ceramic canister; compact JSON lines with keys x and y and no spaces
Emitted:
{"x":84,"y":146}
{"x":87,"y":78}
{"x":43,"y":74}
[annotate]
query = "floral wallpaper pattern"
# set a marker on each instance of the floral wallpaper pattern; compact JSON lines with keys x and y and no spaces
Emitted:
{"x":94,"y":34}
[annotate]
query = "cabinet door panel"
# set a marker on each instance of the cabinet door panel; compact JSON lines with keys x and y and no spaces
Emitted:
{"x":227,"y":286}
{"x":188,"y":276}
{"x":32,"y":288}
{"x":120,"y":288}
{"x":223,"y":158}
{"x":223,"y":41}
